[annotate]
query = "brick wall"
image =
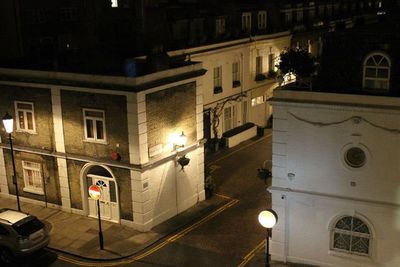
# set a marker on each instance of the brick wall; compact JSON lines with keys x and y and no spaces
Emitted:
{"x":41,"y":99}
{"x":116,"y":123}
{"x":171,"y":111}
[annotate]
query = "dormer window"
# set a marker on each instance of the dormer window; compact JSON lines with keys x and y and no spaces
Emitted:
{"x":220,"y":26}
{"x":246,"y":21}
{"x":376,"y":71}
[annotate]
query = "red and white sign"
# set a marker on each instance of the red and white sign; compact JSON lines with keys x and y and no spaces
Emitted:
{"x":94,"y":192}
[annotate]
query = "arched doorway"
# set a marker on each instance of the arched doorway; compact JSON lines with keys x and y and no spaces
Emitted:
{"x":102,"y":176}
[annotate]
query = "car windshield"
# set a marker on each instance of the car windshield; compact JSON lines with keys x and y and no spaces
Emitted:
{"x":28,"y":227}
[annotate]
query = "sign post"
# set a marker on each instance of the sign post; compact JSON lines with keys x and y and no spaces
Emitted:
{"x":95,"y":193}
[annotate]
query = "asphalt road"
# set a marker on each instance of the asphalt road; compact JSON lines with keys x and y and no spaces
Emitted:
{"x":224,"y":240}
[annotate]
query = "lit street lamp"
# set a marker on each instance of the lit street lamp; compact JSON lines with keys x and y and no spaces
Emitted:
{"x":267,"y":219}
{"x":8,"y":123}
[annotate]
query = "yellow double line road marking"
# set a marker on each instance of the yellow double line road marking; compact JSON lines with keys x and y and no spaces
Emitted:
{"x":171,"y":239}
{"x":252,"y":253}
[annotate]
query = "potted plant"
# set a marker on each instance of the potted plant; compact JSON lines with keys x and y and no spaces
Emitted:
{"x":209,"y":186}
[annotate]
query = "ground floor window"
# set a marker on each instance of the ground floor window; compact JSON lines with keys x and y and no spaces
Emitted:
{"x":32,"y":177}
{"x":351,"y":235}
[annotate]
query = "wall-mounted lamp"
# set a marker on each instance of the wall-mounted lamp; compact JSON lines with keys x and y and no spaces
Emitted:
{"x":180,"y":140}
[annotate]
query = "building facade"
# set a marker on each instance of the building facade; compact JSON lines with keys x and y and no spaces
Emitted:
{"x":335,"y":186}
{"x":75,"y":130}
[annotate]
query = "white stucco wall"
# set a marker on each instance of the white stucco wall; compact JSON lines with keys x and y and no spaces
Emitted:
{"x":312,"y":183}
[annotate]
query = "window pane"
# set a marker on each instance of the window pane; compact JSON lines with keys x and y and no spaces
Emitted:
{"x":24,"y":106}
{"x":29,"y":174}
{"x":21,"y":120}
{"x":341,"y":241}
{"x":113,"y":193}
{"x":344,"y":224}
{"x":370,"y":72}
{"x":99,"y":130}
{"x":89,"y":129}
{"x":383,"y":73}
{"x":359,"y":226}
{"x":29,"y":119}
{"x":360,"y":244}
{"x":91,"y":113}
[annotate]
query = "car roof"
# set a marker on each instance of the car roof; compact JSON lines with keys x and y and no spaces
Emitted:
{"x":12,"y":216}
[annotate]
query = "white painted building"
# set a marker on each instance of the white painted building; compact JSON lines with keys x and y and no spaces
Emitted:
{"x":232,"y":68}
{"x":336,"y":186}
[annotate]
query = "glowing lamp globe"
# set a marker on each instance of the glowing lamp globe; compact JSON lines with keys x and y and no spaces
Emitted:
{"x":8,"y":123}
{"x":268,"y":218}
{"x":181,"y":140}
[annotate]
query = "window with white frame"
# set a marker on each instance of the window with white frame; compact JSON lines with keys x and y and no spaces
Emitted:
{"x":236,"y":72}
{"x":262,"y":20}
{"x":351,"y":235}
{"x":95,"y":129}
{"x":257,"y":101}
{"x":219,"y":26}
{"x":218,"y":76}
{"x":259,"y":65}
{"x":376,"y":71}
{"x":33,"y":179}
{"x":228,"y":119}
{"x":246,"y":21}
{"x":24,"y":112}
{"x":271,"y":62}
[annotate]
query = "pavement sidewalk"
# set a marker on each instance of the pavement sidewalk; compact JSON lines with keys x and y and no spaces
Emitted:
{"x":78,"y":235}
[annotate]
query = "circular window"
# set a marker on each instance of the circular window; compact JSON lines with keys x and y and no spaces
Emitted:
{"x":355,"y":157}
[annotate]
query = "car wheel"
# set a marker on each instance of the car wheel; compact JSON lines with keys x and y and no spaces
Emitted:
{"x":6,"y":256}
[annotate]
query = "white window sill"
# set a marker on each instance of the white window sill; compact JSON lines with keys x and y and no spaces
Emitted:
{"x":25,"y":131}
{"x":33,"y":191}
{"x":348,"y":255}
{"x":95,"y":142}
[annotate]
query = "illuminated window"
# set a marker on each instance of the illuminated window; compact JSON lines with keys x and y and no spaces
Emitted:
{"x":257,"y":101}
{"x":246,"y":21}
{"x":218,"y":77}
{"x":114,"y":3}
{"x":95,"y":129}
{"x":351,"y":235}
{"x":32,"y":177}
{"x":376,"y":71}
{"x":262,"y":20}
{"x":25,"y":115}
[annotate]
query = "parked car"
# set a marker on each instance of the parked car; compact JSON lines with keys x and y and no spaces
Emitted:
{"x":20,"y":234}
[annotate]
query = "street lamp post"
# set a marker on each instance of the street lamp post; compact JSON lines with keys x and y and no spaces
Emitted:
{"x":267,"y":219}
{"x":8,"y":123}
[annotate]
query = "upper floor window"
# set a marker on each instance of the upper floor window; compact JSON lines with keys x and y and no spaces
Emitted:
{"x":257,"y":100}
{"x":259,"y":65}
{"x":217,"y":77}
{"x":25,"y":114}
{"x":376,"y":71}
{"x":33,"y":179}
{"x":37,"y":16}
{"x":236,"y":73}
{"x":246,"y":21}
{"x":219,"y":26}
{"x":68,"y":14}
{"x":120,"y":3}
{"x":95,"y":129}
{"x":288,"y":17}
{"x":351,"y":235}
{"x":262,"y":20}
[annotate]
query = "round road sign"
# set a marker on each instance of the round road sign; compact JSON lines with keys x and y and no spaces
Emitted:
{"x":94,"y":192}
